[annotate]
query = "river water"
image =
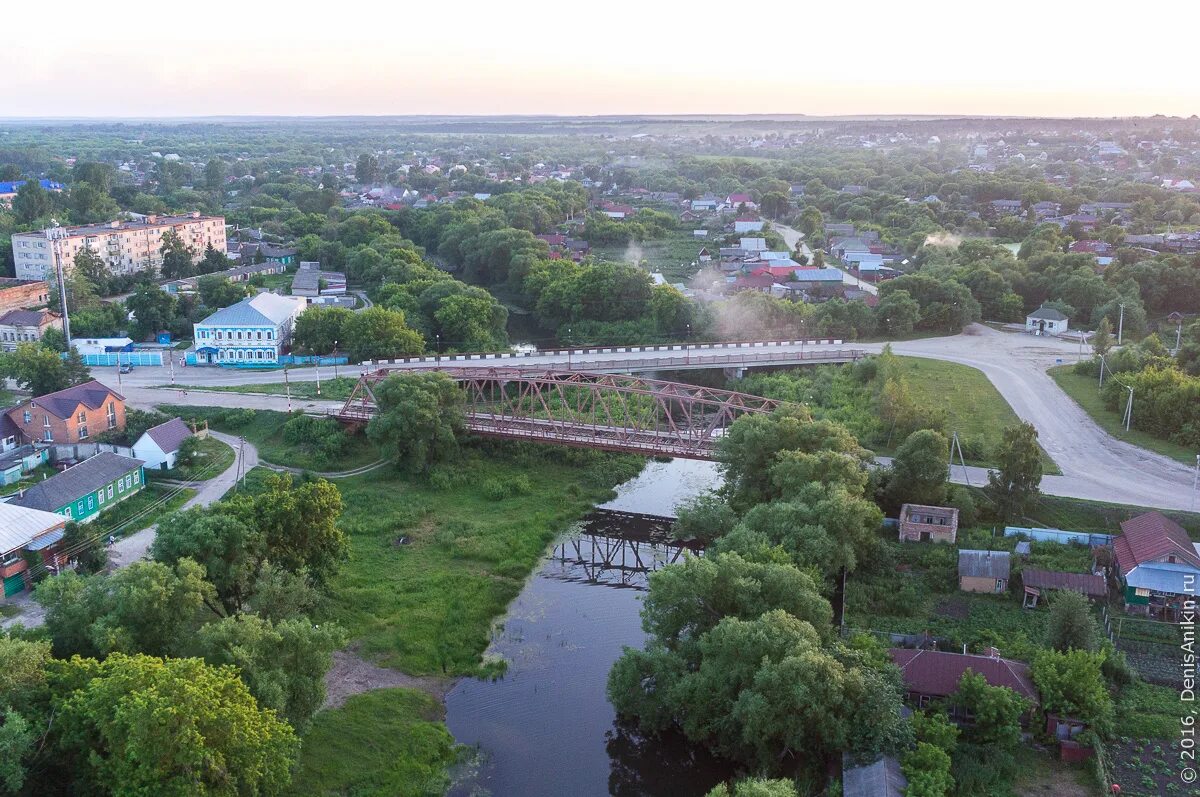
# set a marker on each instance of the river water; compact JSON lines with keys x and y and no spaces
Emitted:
{"x":546,"y":728}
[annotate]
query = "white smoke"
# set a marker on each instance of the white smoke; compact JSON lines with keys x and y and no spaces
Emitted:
{"x":947,"y":239}
{"x":634,"y":253}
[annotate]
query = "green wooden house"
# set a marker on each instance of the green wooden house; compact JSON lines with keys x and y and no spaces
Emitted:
{"x":83,"y":491}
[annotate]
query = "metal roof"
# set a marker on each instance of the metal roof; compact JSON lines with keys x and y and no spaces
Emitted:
{"x":983,"y":564}
{"x":46,"y":540}
{"x":1047,"y":314}
{"x":1176,"y":579}
{"x":76,"y":481}
{"x":880,"y":779}
{"x":263,"y":309}
{"x":20,"y":524}
{"x":170,"y":435}
{"x":62,"y":403}
{"x":1086,"y":583}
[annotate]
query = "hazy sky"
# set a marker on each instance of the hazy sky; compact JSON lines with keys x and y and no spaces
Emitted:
{"x":315,"y":57}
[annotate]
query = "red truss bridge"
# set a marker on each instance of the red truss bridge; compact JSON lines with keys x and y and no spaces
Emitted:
{"x":612,"y":412}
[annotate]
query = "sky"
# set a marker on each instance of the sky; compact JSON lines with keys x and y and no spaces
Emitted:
{"x":474,"y":57}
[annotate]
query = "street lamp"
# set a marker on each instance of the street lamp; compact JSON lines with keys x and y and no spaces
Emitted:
{"x":687,"y":351}
{"x":317,"y":365}
{"x":569,"y":367}
{"x":335,"y":376}
{"x":437,"y":348}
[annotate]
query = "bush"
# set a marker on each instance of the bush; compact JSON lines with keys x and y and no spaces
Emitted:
{"x":322,"y":438}
{"x":510,"y":487}
{"x":960,"y":498}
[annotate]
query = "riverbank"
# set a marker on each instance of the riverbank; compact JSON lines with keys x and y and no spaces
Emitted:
{"x":433,"y":564}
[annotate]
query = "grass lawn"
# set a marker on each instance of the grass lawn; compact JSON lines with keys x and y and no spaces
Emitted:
{"x":1085,"y":391}
{"x":264,"y":430}
{"x":385,"y":743}
{"x":672,"y":254}
{"x":150,"y":505}
{"x":1094,"y":516}
{"x":331,"y":389}
{"x":214,"y":459}
{"x":28,"y":479}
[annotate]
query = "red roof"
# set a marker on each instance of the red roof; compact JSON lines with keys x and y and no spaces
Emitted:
{"x":748,"y":218}
{"x":932,"y":672}
{"x":774,"y":271}
{"x":1151,"y":537}
{"x":554,"y":239}
{"x":736,"y":199}
{"x":754,"y":281}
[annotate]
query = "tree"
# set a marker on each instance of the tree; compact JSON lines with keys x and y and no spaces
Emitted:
{"x":230,"y":551}
{"x":213,"y":261}
{"x":898,"y":313}
{"x":755,"y":787}
{"x":214,"y":174}
{"x":997,"y":711}
{"x":811,"y":220}
{"x":366,"y":169}
{"x":32,"y":203}
{"x":90,"y":554}
{"x":927,"y":769}
{"x":920,"y":470}
{"x":41,"y":370}
{"x":774,"y":204}
{"x":319,"y":329}
{"x":1015,"y":484}
{"x":177,"y":259}
{"x":91,"y":275}
{"x":23,"y":706}
{"x":90,"y":204}
{"x":1102,"y":340}
{"x":1072,"y":626}
{"x":704,"y":518}
{"x":216,"y":291}
{"x":1071,"y":684}
{"x":173,"y":727}
{"x":152,"y":308}
{"x":419,"y":417}
{"x":379,"y":333}
{"x":283,"y":664}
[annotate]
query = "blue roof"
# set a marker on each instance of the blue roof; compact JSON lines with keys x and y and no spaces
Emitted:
{"x":1176,"y":579}
{"x":265,"y":309}
{"x":11,"y":186}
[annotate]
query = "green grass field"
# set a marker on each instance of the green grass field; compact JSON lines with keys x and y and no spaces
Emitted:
{"x":214,"y":459}
{"x":264,"y":430}
{"x":142,"y":510}
{"x":1094,"y":516}
{"x":385,"y":743}
{"x":672,"y":255}
{"x":331,"y":389}
{"x":1084,"y":390}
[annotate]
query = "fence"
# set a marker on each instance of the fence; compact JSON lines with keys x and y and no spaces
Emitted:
{"x":308,"y":359}
{"x":1060,"y":536}
{"x":124,"y":358}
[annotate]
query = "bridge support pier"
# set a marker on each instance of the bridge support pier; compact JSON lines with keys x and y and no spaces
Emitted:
{"x":735,"y":373}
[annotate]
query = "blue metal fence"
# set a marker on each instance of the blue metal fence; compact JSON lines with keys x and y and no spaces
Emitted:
{"x":1059,"y":536}
{"x":124,"y":358}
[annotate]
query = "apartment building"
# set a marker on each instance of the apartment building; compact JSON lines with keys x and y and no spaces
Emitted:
{"x":126,"y":246}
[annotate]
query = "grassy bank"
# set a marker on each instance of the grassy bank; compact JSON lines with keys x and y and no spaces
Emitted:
{"x":1094,"y":516}
{"x":331,"y":389}
{"x":380,"y":744}
{"x":213,"y":459}
{"x":144,"y":509}
{"x":1084,"y":390}
{"x":264,"y":429}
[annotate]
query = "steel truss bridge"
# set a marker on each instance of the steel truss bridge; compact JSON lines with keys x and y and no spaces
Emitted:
{"x":612,"y":412}
{"x":617,"y":549}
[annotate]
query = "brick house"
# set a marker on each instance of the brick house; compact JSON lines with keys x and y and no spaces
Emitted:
{"x":920,"y":523}
{"x":983,"y":571}
{"x":24,"y":326}
{"x":70,"y":416}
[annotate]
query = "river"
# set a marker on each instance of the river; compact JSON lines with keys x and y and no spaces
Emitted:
{"x":546,"y":727}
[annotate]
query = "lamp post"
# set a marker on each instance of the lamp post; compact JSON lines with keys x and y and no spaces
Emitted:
{"x":335,"y":376}
{"x":569,"y":366}
{"x":317,"y":365}
{"x":687,"y":350}
{"x":437,"y":348}
{"x":1121,"y":325}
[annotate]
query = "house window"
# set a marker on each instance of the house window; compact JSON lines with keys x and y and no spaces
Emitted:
{"x":100,"y":495}
{"x":120,"y":486}
{"x":82,"y":432}
{"x":136,"y":474}
{"x":28,"y":416}
{"x":80,"y":505}
{"x":112,"y":415}
{"x":239,"y":335}
{"x":110,"y":491}
{"x":218,"y":334}
{"x":91,"y":502}
{"x":260,"y":334}
{"x":128,"y":482}
{"x":270,"y":334}
{"x":67,"y":511}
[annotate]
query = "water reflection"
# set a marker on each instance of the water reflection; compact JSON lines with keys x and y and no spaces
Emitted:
{"x":546,"y":728}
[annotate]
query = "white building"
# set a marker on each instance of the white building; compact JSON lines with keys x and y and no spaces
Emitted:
{"x":255,"y":331}
{"x":1046,"y":321}
{"x":20,"y":326}
{"x":159,"y":446}
{"x":125,"y":246}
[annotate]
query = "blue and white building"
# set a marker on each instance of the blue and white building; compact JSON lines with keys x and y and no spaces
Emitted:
{"x":253,"y":332}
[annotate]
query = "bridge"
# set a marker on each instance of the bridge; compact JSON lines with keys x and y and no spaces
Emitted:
{"x":642,"y":359}
{"x":617,"y":549}
{"x":612,"y":412}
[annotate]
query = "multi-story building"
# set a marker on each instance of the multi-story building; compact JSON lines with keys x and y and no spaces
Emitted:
{"x":255,"y":331}
{"x":21,"y":326}
{"x":69,"y":416}
{"x":18,"y":294}
{"x":125,"y":246}
{"x":83,"y":491}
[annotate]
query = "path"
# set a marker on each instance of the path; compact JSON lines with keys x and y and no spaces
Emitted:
{"x":792,"y":237}
{"x":351,"y":675}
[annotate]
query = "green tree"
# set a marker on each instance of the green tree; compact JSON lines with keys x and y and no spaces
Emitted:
{"x":89,"y":553}
{"x":214,"y":174}
{"x":366,"y":169}
{"x":318,"y":329}
{"x":213,"y":261}
{"x":419,"y":417}
{"x":174,"y":727}
{"x":1072,"y":625}
{"x":997,"y":711}
{"x":897,"y":313}
{"x":32,"y":203}
{"x":23,"y":706}
{"x":920,"y":471}
{"x":216,"y":292}
{"x":1015,"y":485}
{"x":811,"y":221}
{"x":91,"y":204}
{"x":379,"y":333}
{"x":41,"y":370}
{"x":1102,"y":341}
{"x":704,"y":518}
{"x":89,"y":277}
{"x":230,"y":551}
{"x":1071,"y":684}
{"x":927,"y":768}
{"x":755,"y":787}
{"x":774,"y":204}
{"x":177,"y":259}
{"x":283,"y":664}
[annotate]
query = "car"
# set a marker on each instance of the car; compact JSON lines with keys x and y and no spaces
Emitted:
{"x":126,"y":368}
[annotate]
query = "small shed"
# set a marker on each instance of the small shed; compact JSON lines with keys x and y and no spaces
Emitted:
{"x":1046,"y":321}
{"x":883,"y":778}
{"x":1038,"y":582}
{"x":983,"y":571}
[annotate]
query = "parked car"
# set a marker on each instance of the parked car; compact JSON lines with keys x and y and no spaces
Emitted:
{"x":126,"y":368}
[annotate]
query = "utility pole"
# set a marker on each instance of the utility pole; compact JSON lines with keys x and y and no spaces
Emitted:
{"x":170,"y":362}
{"x":317,"y":365}
{"x":1101,"y":371}
{"x":1195,"y":482}
{"x":1178,"y":335}
{"x":56,"y":247}
{"x":1121,"y":326}
{"x":287,"y":386}
{"x":1129,"y":409}
{"x":335,"y":376}
{"x":687,"y":349}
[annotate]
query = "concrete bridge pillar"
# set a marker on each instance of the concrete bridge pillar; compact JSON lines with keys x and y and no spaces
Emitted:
{"x":735,"y":373}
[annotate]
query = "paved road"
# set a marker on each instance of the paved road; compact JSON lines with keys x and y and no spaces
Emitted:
{"x":792,"y":237}
{"x":1094,"y":465}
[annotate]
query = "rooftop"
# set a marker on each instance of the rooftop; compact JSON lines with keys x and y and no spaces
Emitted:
{"x":259,"y":310}
{"x":1152,"y":536}
{"x":62,"y":404}
{"x":1091,"y":585}
{"x":1048,"y":314}
{"x":984,"y":564}
{"x":933,"y":672}
{"x":150,"y":222}
{"x":19,"y":525}
{"x":170,"y":435}
{"x":76,"y":481}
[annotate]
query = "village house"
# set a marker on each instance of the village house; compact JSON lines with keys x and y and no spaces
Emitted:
{"x":983,"y":571}
{"x":23,"y":326}
{"x":23,"y":529}
{"x":159,"y":445}
{"x":1046,"y":321}
{"x":737,"y":201}
{"x":920,"y":523}
{"x":1005,"y":207}
{"x":1159,"y":566}
{"x":747,"y":224}
{"x":83,"y":491}
{"x":931,"y":675}
{"x":71,"y":415}
{"x":255,"y":331}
